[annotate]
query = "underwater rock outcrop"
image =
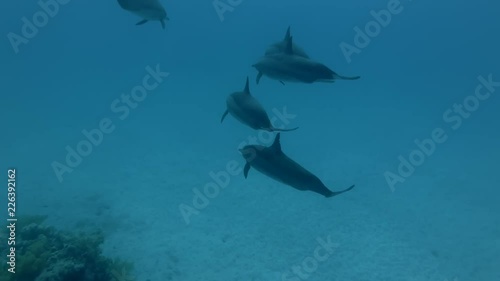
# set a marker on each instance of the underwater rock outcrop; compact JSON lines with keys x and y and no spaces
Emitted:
{"x":47,"y":254}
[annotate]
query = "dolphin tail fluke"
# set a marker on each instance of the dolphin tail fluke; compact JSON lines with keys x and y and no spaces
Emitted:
{"x":339,"y":192}
{"x":282,"y":130}
{"x":224,"y":115}
{"x":142,"y":22}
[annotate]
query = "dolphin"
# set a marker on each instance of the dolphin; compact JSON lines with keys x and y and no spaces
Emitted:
{"x":292,"y":68}
{"x":272,"y":162}
{"x":279,"y":47}
{"x":249,"y":111}
{"x":148,"y":10}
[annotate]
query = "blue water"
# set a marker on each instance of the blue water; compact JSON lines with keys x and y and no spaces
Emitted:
{"x":438,"y":220}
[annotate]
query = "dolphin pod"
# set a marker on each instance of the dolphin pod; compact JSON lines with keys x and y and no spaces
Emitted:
{"x":284,"y":61}
{"x":148,"y":10}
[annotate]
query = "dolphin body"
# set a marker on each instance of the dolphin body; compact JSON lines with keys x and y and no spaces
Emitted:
{"x":272,"y":162}
{"x":279,"y":47}
{"x":293,"y":68}
{"x":148,"y":10}
{"x":249,"y":111}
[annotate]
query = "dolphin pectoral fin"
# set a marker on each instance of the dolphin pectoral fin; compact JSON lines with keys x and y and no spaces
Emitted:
{"x":246,"y":169}
{"x":259,"y":75}
{"x":162,"y":23}
{"x":339,"y":192}
{"x":142,"y":22}
{"x":224,"y":115}
{"x":283,"y":130}
{"x":282,"y":83}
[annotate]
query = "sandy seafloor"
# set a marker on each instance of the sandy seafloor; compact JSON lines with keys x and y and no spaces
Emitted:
{"x":255,"y":230}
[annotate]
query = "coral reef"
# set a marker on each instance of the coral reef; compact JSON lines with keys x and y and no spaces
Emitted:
{"x":44,"y":253}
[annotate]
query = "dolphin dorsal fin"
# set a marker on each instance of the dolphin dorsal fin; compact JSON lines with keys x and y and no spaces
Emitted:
{"x":287,"y":35}
{"x":288,"y":47}
{"x":277,"y":144}
{"x":247,"y":88}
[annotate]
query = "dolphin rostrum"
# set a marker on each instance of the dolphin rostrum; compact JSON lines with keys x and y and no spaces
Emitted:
{"x":292,"y":68}
{"x":279,"y":47}
{"x":272,"y":162}
{"x":148,"y":10}
{"x":246,"y":109}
